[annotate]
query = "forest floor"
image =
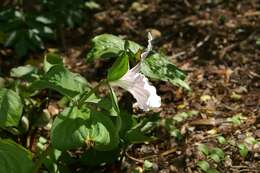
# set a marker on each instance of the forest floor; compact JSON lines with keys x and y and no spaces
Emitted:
{"x":216,"y":43}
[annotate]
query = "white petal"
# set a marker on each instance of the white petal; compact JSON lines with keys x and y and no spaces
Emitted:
{"x":137,"y":84}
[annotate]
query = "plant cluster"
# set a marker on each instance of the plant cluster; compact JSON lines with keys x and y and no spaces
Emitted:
{"x":95,"y":124}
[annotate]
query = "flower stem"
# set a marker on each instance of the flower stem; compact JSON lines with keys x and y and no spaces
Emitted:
{"x":87,"y":94}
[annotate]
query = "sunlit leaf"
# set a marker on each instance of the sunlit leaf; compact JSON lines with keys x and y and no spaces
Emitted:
{"x":158,"y":67}
{"x":107,"y":46}
{"x":119,"y":68}
{"x":243,"y":150}
{"x":14,"y":158}
{"x":203,"y":148}
{"x":11,"y":108}
{"x":203,"y":165}
{"x":61,"y":80}
{"x":75,"y":128}
{"x":22,"y":71}
{"x":50,"y":60}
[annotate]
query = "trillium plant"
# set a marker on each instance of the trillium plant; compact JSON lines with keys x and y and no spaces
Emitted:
{"x":138,"y":85}
{"x":75,"y":114}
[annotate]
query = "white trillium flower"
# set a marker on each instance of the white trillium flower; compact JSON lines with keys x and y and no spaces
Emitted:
{"x":138,"y":85}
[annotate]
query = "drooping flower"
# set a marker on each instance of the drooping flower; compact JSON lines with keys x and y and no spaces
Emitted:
{"x":138,"y":85}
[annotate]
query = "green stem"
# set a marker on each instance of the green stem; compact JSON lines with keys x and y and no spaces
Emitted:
{"x":87,"y":94}
{"x":41,"y":159}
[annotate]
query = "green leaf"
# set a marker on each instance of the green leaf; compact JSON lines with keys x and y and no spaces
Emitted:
{"x":94,"y":158}
{"x":148,"y":165}
{"x":215,"y":157}
{"x":155,"y":66}
{"x":243,"y":150}
{"x":107,"y":105}
{"x":212,"y":170}
{"x":50,"y":60}
{"x":119,"y":68}
{"x":61,"y":80}
{"x":217,"y":154}
{"x":11,"y":108}
{"x":22,"y":71}
{"x":203,"y":165}
{"x":204,"y":149}
{"x":75,"y":128}
{"x":114,"y":101}
{"x":139,"y":133}
{"x":14,"y":158}
{"x":221,"y":140}
{"x":43,"y":20}
{"x":135,"y":136}
{"x":108,"y":46}
{"x":158,"y":67}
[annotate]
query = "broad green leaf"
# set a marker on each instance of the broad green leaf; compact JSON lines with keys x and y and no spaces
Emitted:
{"x":158,"y":67}
{"x":108,"y":46}
{"x":11,"y":108}
{"x":14,"y":158}
{"x":94,"y":158}
{"x":155,"y":66}
{"x":119,"y":68}
{"x":50,"y":60}
{"x":203,"y":165}
{"x":203,"y":148}
{"x":61,"y":80}
{"x":243,"y":150}
{"x":75,"y":128}
{"x":22,"y":71}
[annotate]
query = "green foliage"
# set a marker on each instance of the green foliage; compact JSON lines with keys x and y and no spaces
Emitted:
{"x":23,"y":71}
{"x":25,"y":31}
{"x":119,"y":68}
{"x":205,"y":167}
{"x":109,"y":46}
{"x":217,"y":154}
{"x":92,"y":122}
{"x":158,"y":67}
{"x":10,"y":108}
{"x":75,"y":128}
{"x":243,"y":150}
{"x":61,"y":80}
{"x":50,"y":60}
{"x":221,"y":140}
{"x":14,"y":158}
{"x":204,"y":149}
{"x":155,"y":66}
{"x":237,"y":119}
